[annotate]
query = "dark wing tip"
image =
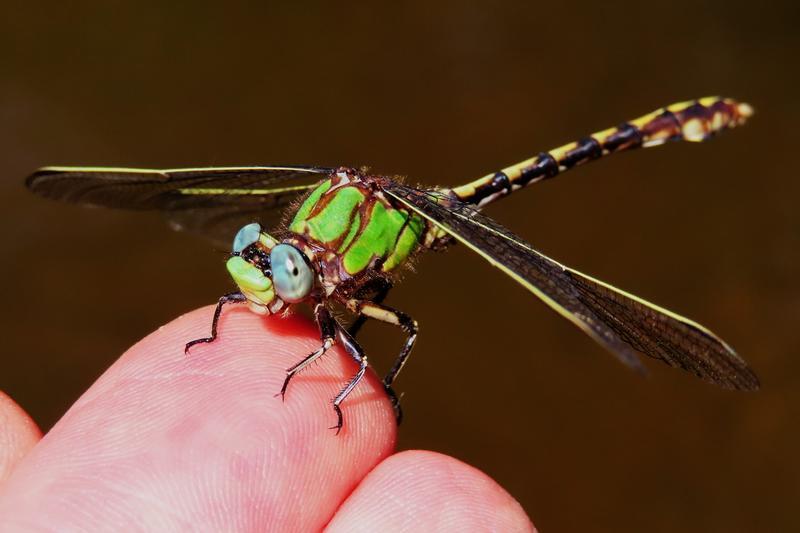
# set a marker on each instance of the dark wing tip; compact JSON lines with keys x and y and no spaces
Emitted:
{"x":720,"y":365}
{"x":752,"y":384}
{"x":725,"y":367}
{"x":744,"y":379}
{"x":45,"y":182}
{"x":33,"y":181}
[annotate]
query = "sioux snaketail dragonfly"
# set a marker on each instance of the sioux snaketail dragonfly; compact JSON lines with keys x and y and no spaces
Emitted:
{"x":348,"y":232}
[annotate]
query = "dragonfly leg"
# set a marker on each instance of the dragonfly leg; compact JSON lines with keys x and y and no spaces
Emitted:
{"x":356,"y":352}
{"x":397,"y":318}
{"x":327,"y":328}
{"x":380,"y":287}
{"x":228,"y":298}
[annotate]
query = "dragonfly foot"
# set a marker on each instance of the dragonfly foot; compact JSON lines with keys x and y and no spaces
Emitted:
{"x":197,"y":341}
{"x":395,"y":399}
{"x":285,"y":385}
{"x":226,"y":299}
{"x":339,"y":419}
{"x":310,"y":358}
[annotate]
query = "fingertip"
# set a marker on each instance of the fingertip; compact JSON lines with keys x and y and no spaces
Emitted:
{"x":204,"y":434}
{"x":426,"y":491}
{"x":18,"y":434}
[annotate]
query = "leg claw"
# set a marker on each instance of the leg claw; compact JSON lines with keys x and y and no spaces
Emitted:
{"x":398,"y":410}
{"x":339,"y":419}
{"x":194,"y":342}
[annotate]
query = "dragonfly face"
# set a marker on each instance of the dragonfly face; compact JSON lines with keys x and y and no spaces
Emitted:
{"x":269,"y":274}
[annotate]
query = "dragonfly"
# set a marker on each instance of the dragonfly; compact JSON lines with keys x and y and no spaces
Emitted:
{"x":346,"y":233}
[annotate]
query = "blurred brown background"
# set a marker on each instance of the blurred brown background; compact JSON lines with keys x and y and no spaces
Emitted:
{"x":443,"y":92}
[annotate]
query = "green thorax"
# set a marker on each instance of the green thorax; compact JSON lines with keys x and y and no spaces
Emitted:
{"x":351,"y":217}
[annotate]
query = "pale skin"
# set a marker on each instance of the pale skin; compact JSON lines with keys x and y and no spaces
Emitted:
{"x":169,"y":442}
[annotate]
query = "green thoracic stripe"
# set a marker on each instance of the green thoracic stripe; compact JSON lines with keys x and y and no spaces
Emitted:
{"x":363,"y":233}
{"x":310,"y":202}
{"x":408,"y":240}
{"x":378,"y":239}
{"x":335,"y":218}
{"x":354,"y":227}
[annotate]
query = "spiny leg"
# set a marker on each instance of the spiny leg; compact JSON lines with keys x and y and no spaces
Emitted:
{"x":695,"y":120}
{"x":392,"y":316}
{"x":356,"y":352}
{"x":327,"y":328}
{"x":232,"y":297}
{"x":381,"y":287}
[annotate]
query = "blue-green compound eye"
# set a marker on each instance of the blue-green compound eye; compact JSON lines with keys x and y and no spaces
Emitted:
{"x":291,"y":275}
{"x":246,"y":236}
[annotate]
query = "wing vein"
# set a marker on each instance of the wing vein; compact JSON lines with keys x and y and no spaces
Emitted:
{"x":619,"y":321}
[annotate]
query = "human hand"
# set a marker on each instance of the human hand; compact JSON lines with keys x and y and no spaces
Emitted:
{"x":168,"y":442}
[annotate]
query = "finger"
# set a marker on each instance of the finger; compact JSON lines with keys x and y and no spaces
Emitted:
{"x":164,"y":441}
{"x":18,"y":434}
{"x":426,"y":491}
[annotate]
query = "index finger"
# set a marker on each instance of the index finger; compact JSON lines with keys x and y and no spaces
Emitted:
{"x":168,"y":441}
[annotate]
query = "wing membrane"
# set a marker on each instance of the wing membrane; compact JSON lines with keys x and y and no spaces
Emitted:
{"x":210,"y":201}
{"x":619,"y":321}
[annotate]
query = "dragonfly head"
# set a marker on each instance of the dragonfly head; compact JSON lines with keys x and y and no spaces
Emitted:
{"x":268,"y":273}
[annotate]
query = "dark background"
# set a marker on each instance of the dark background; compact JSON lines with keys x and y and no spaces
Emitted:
{"x":444,"y":92}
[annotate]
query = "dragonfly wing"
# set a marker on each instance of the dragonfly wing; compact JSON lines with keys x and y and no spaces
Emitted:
{"x":220,"y":222}
{"x":619,"y":321}
{"x":214,"y":202}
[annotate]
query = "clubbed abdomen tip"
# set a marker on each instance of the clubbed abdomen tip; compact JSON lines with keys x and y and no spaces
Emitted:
{"x":745,"y":110}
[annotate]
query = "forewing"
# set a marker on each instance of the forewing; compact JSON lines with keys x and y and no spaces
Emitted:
{"x":617,"y":320}
{"x":210,"y":201}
